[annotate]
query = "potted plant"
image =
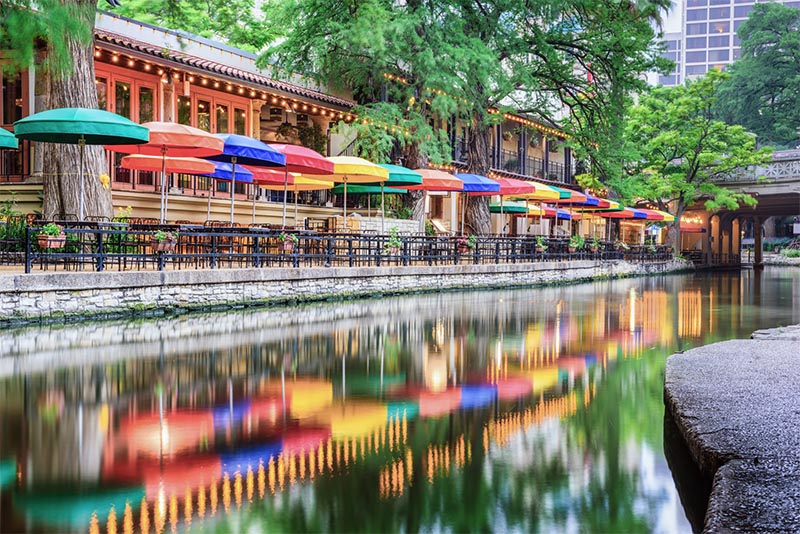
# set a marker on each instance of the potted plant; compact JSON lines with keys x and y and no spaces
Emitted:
{"x":576,"y":242}
{"x":621,"y":245}
{"x":466,"y":243}
{"x":651,"y":248}
{"x":393,"y":244}
{"x":507,"y":136}
{"x":289,"y":241}
{"x":51,"y":236}
{"x":540,"y":245}
{"x":594,"y":245}
{"x":165,"y":241}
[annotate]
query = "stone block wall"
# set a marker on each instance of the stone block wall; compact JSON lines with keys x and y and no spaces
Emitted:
{"x":55,"y":296}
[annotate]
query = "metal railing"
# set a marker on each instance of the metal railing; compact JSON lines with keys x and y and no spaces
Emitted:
{"x":120,"y":246}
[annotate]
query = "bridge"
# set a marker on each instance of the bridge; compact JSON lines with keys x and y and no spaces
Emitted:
{"x":775,"y":185}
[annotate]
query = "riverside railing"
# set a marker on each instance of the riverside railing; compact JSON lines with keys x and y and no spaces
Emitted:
{"x":118,"y":246}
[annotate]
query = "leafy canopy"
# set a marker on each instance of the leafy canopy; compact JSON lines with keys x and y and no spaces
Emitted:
{"x":678,"y":149}
{"x":763,"y":93}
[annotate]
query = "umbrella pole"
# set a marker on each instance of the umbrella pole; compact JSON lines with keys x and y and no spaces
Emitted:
{"x":285,"y":187}
{"x":81,"y":146}
{"x":163,"y":184}
{"x":208,"y":210}
{"x":463,"y":210}
{"x":233,"y":185}
{"x":255,"y":190}
{"x":295,"y":210}
{"x":383,"y":214}
{"x":369,"y":206}
{"x":344,"y":220}
{"x":502,"y":218}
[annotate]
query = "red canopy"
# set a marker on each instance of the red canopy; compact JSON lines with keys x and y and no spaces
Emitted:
{"x":652,"y":215}
{"x":264,"y":175}
{"x":141,"y":162}
{"x":434,"y":180}
{"x":304,"y":160}
{"x":172,"y":139}
{"x":509,"y":187}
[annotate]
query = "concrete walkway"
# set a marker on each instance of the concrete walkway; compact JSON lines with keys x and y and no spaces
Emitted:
{"x":737,"y":405}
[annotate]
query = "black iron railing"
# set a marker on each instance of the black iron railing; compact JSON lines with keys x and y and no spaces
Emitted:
{"x":120,"y":246}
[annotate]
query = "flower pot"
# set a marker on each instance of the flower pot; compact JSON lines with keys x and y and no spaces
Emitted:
{"x":288,"y":245}
{"x":593,"y":250}
{"x":571,"y":249}
{"x":394,"y":251}
{"x":539,"y":249}
{"x":463,"y":249}
{"x":163,"y":246}
{"x":51,"y":241}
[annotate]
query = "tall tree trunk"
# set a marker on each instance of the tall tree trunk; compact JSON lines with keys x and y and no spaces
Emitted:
{"x":61,"y":162}
{"x":674,"y":232}
{"x":477,"y":218}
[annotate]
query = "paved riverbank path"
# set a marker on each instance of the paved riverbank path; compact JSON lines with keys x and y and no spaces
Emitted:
{"x":737,"y":405}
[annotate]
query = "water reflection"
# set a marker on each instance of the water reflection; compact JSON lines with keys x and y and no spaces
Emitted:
{"x":532,"y":410}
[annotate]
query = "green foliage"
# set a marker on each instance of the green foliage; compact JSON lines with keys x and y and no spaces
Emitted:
{"x":594,"y":243}
{"x":235,"y":22}
{"x":309,"y":136}
{"x":467,"y":241}
{"x":123,"y":214}
{"x":394,"y":240}
{"x":677,"y":149}
{"x":763,"y":92}
{"x":51,"y":229}
{"x":285,"y":236}
{"x":170,"y":237}
{"x":430,"y":230}
{"x":26,"y":24}
{"x":541,"y":243}
{"x":577,"y":242}
{"x":790,"y":252}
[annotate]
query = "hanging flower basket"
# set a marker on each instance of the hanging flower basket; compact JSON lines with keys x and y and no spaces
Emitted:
{"x":51,"y":241}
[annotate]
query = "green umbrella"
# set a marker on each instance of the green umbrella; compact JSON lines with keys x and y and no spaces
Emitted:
{"x":81,"y":126}
{"x":507,"y":207}
{"x":7,"y":139}
{"x":72,"y":508}
{"x":398,"y":176}
{"x":8,"y":472}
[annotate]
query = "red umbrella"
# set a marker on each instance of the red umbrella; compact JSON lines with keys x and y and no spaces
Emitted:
{"x":140,"y":162}
{"x":301,"y":160}
{"x":510,"y":187}
{"x":172,"y":139}
{"x":433,"y":180}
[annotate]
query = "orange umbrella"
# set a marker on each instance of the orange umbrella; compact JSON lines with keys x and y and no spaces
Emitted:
{"x":177,"y":140}
{"x":140,"y":162}
{"x":433,"y":180}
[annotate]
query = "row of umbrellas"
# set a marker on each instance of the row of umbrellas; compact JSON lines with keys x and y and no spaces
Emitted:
{"x":170,"y":147}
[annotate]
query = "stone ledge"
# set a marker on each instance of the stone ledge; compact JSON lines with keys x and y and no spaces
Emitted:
{"x":737,"y":407}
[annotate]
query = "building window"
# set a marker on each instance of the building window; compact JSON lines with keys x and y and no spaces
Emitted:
{"x":693,"y":70}
{"x":101,"y":86}
{"x":696,"y":3}
{"x":668,"y":80}
{"x":696,"y":57}
{"x":185,"y":110}
{"x":222,"y":118}
{"x":204,"y":115}
{"x":122,"y":99}
{"x":696,"y":14}
{"x":742,"y":11}
{"x":718,"y":55}
{"x":720,"y":27}
{"x":673,"y":45}
{"x":698,"y":28}
{"x":719,"y":13}
{"x":146,"y":104}
{"x":695,"y":42}
{"x":715,"y":41}
{"x":736,"y":24}
{"x":736,"y":42}
{"x":720,"y":2}
{"x":239,"y":121}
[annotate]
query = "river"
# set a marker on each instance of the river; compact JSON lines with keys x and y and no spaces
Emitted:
{"x":534,"y":410}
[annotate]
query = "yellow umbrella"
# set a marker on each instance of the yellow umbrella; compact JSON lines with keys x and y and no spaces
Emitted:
{"x":355,"y":170}
{"x":543,"y":192}
{"x":354,"y":419}
{"x":668,"y":217}
{"x":306,"y":396}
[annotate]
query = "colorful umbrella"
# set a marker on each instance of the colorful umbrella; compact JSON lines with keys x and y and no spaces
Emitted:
{"x":625,"y":213}
{"x":475,"y":183}
{"x":368,"y":190}
{"x":507,"y":207}
{"x":140,"y":162}
{"x":7,"y":139}
{"x":398,"y":176}
{"x":302,"y":183}
{"x":434,"y":180}
{"x":652,"y":215}
{"x":243,"y":150}
{"x":356,"y":170}
{"x":301,"y":160}
{"x":81,"y":126}
{"x":171,"y":139}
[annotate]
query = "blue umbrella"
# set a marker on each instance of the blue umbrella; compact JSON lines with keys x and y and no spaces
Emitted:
{"x":243,"y":150}
{"x":475,"y":183}
{"x":224,"y":171}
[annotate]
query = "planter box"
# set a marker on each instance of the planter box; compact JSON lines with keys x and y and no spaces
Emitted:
{"x":164,"y":246}
{"x":288,"y":246}
{"x":51,"y":241}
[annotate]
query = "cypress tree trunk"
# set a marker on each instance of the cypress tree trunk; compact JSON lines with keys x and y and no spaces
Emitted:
{"x":61,"y":162}
{"x":415,"y":200}
{"x":477,"y":219}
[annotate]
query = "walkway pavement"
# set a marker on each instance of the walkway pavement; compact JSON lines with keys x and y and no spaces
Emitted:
{"x":737,"y":405}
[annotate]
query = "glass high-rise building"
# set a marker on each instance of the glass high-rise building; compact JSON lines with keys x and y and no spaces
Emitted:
{"x":701,"y":35}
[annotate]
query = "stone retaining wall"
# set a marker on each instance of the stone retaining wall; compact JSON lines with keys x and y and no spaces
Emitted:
{"x":57,"y":296}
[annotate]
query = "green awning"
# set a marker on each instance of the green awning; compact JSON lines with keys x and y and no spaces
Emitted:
{"x":8,"y":472}
{"x":70,"y":125}
{"x":400,"y":176}
{"x":563,"y":193}
{"x":361,"y":189}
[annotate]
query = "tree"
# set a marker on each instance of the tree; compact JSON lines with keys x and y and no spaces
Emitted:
{"x":678,"y":149}
{"x":763,"y":92}
{"x":56,"y":36}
